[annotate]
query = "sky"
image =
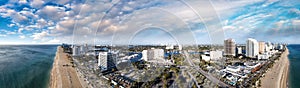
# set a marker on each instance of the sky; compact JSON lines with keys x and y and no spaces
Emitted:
{"x":148,"y":21}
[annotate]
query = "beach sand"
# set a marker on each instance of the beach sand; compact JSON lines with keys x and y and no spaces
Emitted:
{"x":63,"y":76}
{"x":277,"y":76}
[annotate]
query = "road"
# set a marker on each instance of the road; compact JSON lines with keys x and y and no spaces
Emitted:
{"x":194,"y":79}
{"x":208,"y":76}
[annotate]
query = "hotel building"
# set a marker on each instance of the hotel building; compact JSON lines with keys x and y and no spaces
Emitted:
{"x":252,"y":48}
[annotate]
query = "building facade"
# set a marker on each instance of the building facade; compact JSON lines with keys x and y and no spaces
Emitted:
{"x":261,"y":47}
{"x":106,"y":60}
{"x":269,"y":47}
{"x":145,"y":55}
{"x":252,"y":48}
{"x":75,"y":50}
{"x":152,"y":54}
{"x":229,"y":47}
{"x":102,"y":61}
{"x":216,"y":55}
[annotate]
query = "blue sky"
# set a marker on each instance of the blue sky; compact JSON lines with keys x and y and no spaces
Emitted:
{"x":148,"y":21}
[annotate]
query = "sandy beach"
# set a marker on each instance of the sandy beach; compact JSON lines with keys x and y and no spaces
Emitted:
{"x":63,"y":75}
{"x":277,"y":76}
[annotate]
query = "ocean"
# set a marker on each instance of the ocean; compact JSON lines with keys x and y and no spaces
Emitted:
{"x":294,"y":57}
{"x":26,"y":66}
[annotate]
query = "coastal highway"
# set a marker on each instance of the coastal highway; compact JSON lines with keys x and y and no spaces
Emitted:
{"x":208,"y":76}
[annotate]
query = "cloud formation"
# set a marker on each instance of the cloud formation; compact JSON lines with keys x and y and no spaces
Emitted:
{"x":118,"y":21}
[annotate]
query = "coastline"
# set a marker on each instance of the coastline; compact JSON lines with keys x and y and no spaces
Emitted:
{"x":63,"y":75}
{"x":277,"y":76}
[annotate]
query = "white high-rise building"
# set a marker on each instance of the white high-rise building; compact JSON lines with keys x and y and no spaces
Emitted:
{"x":179,"y":47}
{"x":252,"y":48}
{"x":107,"y":60}
{"x":102,"y":61}
{"x":229,"y":47}
{"x":75,"y":50}
{"x":144,"y":55}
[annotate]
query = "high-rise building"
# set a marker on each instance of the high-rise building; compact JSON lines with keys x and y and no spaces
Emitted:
{"x":144,"y":55}
{"x":229,"y":47}
{"x":75,"y":50}
{"x":261,"y":47}
{"x":102,"y":61}
{"x":252,"y":48}
{"x":83,"y":49}
{"x":106,"y":60}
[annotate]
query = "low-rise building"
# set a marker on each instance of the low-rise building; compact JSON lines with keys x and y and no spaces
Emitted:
{"x":205,"y":57}
{"x":264,"y":56}
{"x":152,"y":54}
{"x":216,"y":55}
{"x":233,"y":69}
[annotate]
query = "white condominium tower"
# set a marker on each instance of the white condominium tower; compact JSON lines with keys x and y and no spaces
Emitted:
{"x":252,"y":48}
{"x":102,"y":61}
{"x":107,"y":60}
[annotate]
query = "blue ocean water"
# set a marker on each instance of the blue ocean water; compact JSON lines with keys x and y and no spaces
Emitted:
{"x":26,"y":66}
{"x":294,"y":57}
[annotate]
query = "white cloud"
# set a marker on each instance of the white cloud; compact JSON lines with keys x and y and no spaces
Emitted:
{"x":11,"y":25}
{"x":37,"y":3}
{"x":296,"y":25}
{"x":23,"y":1}
{"x":125,"y":17}
{"x":280,"y":24}
{"x":38,"y":36}
{"x":22,"y":36}
{"x":53,"y":41}
{"x":2,"y":35}
{"x":51,"y":13}
{"x":62,"y":2}
{"x":6,"y":32}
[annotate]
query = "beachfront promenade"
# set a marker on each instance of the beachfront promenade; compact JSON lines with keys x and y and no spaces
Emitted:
{"x":63,"y":75}
{"x":277,"y":76}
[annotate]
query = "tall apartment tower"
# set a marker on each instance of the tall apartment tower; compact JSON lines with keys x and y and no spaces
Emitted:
{"x":75,"y":50}
{"x":261,"y":47}
{"x":107,"y":60}
{"x":229,"y":47}
{"x":102,"y":61}
{"x":252,"y":48}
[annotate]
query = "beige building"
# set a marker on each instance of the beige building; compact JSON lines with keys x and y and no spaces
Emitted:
{"x":229,"y":47}
{"x":261,"y":47}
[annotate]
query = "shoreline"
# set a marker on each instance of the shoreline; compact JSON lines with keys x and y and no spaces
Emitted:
{"x":63,"y":75}
{"x":278,"y":75}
